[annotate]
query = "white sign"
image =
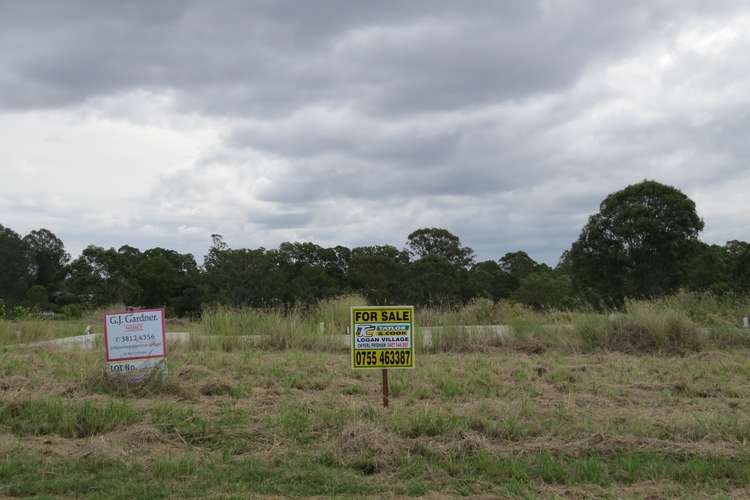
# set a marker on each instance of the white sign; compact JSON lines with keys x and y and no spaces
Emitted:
{"x":135,"y":335}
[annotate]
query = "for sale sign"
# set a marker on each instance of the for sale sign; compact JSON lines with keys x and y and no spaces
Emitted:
{"x":135,"y":335}
{"x":382,"y":337}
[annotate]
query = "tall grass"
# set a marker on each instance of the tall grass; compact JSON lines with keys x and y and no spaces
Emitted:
{"x":295,"y":327}
{"x":683,"y":322}
{"x":706,"y":308}
{"x":642,"y":327}
{"x":33,"y":330}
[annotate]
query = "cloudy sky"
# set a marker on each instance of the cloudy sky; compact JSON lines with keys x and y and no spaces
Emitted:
{"x":346,"y":122}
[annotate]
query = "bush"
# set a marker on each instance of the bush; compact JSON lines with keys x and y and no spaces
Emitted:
{"x":71,"y":311}
{"x":643,"y":328}
{"x":21,"y":312}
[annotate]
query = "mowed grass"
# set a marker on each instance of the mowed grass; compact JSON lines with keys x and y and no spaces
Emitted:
{"x":257,"y":422}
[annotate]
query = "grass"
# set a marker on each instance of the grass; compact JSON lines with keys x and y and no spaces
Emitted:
{"x":473,"y":473}
{"x":35,"y":417}
{"x":680,"y":323}
{"x":299,"y":423}
{"x":649,"y":402}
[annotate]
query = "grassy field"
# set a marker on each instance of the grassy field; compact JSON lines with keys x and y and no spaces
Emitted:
{"x":576,"y":405}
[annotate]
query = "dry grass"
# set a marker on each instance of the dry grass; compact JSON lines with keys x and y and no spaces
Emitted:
{"x":636,"y":423}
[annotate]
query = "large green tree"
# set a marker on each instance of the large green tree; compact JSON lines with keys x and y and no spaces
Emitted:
{"x":48,"y":260}
{"x":437,"y":242}
{"x":637,"y":245}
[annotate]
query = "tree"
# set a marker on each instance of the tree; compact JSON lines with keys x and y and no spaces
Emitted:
{"x":48,"y":258}
{"x":243,"y":277}
{"x":738,"y":257}
{"x":37,"y":298}
{"x":434,"y":281}
{"x":378,"y":272}
{"x":315,"y":272}
{"x":105,"y":276}
{"x":517,"y":265}
{"x":707,"y":267}
{"x":545,"y":288}
{"x":636,"y":246}
{"x":489,"y":280}
{"x":168,"y":278}
{"x":436,"y":242}
{"x":14,"y":267}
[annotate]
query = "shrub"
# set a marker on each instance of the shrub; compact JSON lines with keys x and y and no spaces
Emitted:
{"x":71,"y":311}
{"x":21,"y":312}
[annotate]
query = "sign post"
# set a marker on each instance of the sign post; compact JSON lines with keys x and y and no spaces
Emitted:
{"x":382,"y":337}
{"x":385,"y":387}
{"x":135,"y":342}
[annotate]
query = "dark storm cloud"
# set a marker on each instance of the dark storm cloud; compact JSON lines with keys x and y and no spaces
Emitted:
{"x":272,"y":57}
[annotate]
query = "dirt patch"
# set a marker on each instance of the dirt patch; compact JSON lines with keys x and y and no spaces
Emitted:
{"x":14,"y":383}
{"x":195,"y":373}
{"x":532,"y":346}
{"x":139,"y":441}
{"x":463,"y":442}
{"x":364,"y":443}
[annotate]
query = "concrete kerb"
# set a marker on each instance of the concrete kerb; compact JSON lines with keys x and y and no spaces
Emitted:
{"x":427,"y":333}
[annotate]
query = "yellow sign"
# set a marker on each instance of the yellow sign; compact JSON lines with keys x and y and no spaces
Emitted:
{"x":382,"y":337}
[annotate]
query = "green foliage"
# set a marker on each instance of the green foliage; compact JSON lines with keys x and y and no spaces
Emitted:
{"x":489,"y":280}
{"x":517,"y":265}
{"x":36,"y":298}
{"x":100,"y":276}
{"x":636,"y":245}
{"x":546,"y":289}
{"x":378,"y":272}
{"x":436,"y":242}
{"x":14,"y":271}
{"x":48,"y":258}
{"x":642,"y":244}
{"x":154,"y":278}
{"x":434,"y":280}
{"x":71,"y":311}
{"x":21,"y":312}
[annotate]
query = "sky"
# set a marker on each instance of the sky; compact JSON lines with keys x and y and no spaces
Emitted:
{"x":357,"y":122}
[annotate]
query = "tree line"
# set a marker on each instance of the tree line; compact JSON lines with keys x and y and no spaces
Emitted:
{"x":642,"y":243}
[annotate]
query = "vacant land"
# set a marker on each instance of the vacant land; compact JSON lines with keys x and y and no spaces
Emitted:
{"x":652,"y":402}
{"x":270,"y":423}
